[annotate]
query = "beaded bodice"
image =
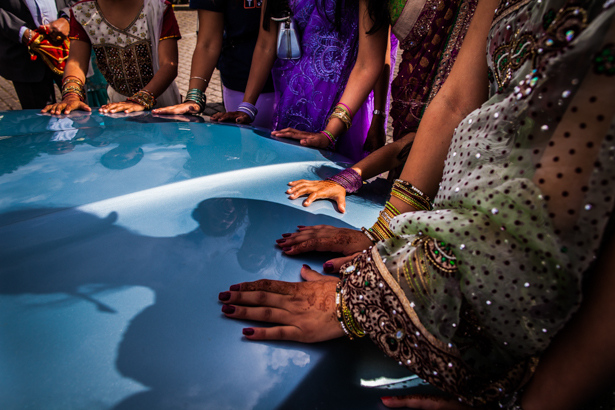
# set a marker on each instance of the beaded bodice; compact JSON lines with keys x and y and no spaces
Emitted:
{"x":124,"y":56}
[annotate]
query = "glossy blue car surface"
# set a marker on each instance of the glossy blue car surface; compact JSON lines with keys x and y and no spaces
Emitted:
{"x":116,"y":235}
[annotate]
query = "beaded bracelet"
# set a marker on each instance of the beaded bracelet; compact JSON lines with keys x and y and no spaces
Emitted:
{"x":332,"y":139}
{"x":339,"y":310}
{"x":144,"y":98}
{"x":369,"y":234}
{"x":412,"y":196}
{"x":408,"y":185}
{"x":197,"y":96}
{"x":349,"y":179}
{"x":249,"y":109}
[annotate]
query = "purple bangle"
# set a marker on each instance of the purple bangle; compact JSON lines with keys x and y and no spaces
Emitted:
{"x":349,"y":110}
{"x":349,"y":179}
{"x":331,"y":139}
{"x":249,"y":109}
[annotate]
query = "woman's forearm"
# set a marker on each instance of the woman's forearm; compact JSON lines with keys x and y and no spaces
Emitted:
{"x":208,"y":49}
{"x":262,"y":60}
{"x":384,"y":159}
{"x":381,"y":88}
{"x":78,"y":59}
{"x":168,"y":56}
{"x":463,"y":92}
{"x":367,"y":69}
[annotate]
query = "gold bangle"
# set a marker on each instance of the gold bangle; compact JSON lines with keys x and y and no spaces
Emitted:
{"x":342,"y":116}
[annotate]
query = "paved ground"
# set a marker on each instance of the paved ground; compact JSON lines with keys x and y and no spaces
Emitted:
{"x":187,"y":25}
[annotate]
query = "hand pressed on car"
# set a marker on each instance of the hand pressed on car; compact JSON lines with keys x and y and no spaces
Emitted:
{"x":318,"y":190}
{"x":304,"y":311}
{"x":324,"y":238}
{"x":307,"y":139}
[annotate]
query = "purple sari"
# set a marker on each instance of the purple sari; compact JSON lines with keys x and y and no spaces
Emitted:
{"x":308,"y":89}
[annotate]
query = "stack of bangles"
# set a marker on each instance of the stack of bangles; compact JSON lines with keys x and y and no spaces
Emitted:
{"x":344,"y":316}
{"x":344,"y":114}
{"x":249,"y":109}
{"x":198,"y":97}
{"x":144,"y":98}
{"x":411,"y":195}
{"x":405,"y":192}
{"x":73,"y":85}
{"x":349,"y":179}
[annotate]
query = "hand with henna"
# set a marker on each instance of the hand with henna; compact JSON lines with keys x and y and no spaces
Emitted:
{"x":324,"y":238}
{"x":232,"y":116}
{"x":307,"y":139}
{"x":304,"y":311}
{"x":318,"y":190}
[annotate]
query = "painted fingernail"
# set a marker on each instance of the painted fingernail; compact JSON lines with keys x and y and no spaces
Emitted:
{"x":306,"y":266}
{"x":248,"y":331}
{"x":286,"y":235}
{"x":280,"y":240}
{"x":300,"y":226}
{"x":228,"y":309}
{"x":328,"y":267}
{"x":235,"y":287}
{"x":287,"y":249}
{"x":224,"y":296}
{"x":386,"y":398}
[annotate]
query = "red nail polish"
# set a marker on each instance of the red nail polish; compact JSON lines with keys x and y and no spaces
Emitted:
{"x":286,"y":249}
{"x":248,"y":331}
{"x":306,"y":266}
{"x":386,"y":398}
{"x":328,"y":267}
{"x":223,"y":296}
{"x":300,"y":226}
{"x":280,"y":240}
{"x":285,"y":235}
{"x":235,"y":287}
{"x":228,"y":309}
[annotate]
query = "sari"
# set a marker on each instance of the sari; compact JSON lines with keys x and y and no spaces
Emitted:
{"x":307,"y":89}
{"x":431,"y":33}
{"x":468,"y":296}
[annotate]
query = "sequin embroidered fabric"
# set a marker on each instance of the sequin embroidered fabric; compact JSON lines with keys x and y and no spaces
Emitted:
{"x":527,"y":191}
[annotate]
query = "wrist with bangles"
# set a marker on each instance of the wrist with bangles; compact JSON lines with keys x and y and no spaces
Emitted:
{"x":144,"y":98}
{"x":249,"y":109}
{"x":344,"y":114}
{"x":408,"y":194}
{"x":349,"y":179}
{"x":198,"y":97}
{"x":72,"y":85}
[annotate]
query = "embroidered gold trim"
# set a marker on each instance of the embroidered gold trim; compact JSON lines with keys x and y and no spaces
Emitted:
{"x":390,"y":280}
